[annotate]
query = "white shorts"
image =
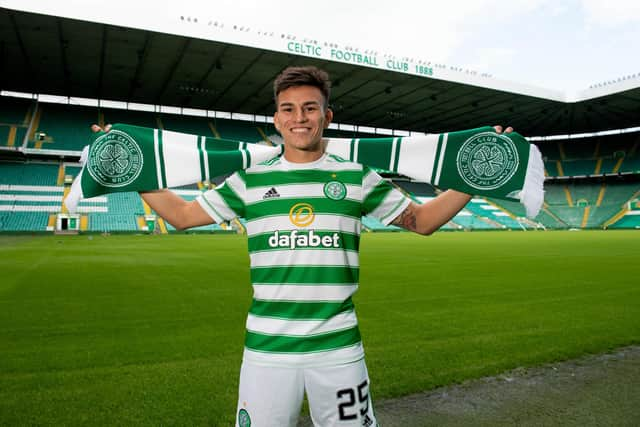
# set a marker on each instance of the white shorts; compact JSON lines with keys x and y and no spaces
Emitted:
{"x":272,"y":396}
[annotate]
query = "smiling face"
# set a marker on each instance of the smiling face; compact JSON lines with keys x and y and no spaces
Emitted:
{"x":301,"y":118}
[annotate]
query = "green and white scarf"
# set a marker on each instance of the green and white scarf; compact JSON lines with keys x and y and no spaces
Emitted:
{"x":477,"y":161}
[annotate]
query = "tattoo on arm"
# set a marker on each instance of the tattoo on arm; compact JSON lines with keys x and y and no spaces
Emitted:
{"x":407,"y":219}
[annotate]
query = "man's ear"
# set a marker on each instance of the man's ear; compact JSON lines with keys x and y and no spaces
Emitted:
{"x":276,"y":122}
{"x":328,"y":117}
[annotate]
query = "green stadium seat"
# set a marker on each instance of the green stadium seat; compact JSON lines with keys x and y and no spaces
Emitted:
{"x":582,"y":148}
{"x":109,"y":222}
{"x":627,"y":221}
{"x":579,"y":167}
{"x":237,"y":130}
{"x":124,"y":203}
{"x":549,"y":150}
{"x":72,"y":170}
{"x":551,"y":166}
{"x":67,"y":127}
{"x":598,"y":215}
{"x":608,"y":164}
{"x":631,"y":164}
{"x":4,"y":134}
{"x":14,"y":110}
{"x":585,"y":192}
{"x":481,"y":209}
{"x":28,"y":173}
{"x":130,"y":117}
{"x":24,"y":221}
{"x":187,"y":124}
{"x":471,"y":222}
{"x":555,"y":195}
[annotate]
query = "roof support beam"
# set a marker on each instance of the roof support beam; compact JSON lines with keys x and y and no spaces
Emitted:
{"x":463,"y":111}
{"x":3,"y":62}
{"x":238,"y":77}
{"x":172,"y":70}
{"x":390,"y":101}
{"x":23,"y":50}
{"x":142,"y":57}
{"x":63,"y":57}
{"x":103,"y":55}
{"x":215,"y":64}
{"x":267,"y":83}
{"x":267,"y":107}
{"x":355,"y":88}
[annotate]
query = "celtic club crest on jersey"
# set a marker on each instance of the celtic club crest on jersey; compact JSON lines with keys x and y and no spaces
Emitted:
{"x":335,"y":190}
{"x":116,"y":159}
{"x":487,"y":161}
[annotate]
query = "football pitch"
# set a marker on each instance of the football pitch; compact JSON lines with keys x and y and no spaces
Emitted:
{"x":148,"y":330}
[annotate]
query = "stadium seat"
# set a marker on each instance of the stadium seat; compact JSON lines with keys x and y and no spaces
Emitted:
{"x":64,"y":127}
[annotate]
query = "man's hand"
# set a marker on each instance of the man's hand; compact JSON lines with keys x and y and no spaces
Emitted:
{"x":498,"y":129}
{"x":96,"y":128}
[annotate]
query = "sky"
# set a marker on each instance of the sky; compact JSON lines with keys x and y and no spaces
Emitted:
{"x":555,"y":44}
{"x":564,"y":45}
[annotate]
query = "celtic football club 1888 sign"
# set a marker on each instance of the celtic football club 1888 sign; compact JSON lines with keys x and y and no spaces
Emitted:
{"x":484,"y":163}
{"x":115,"y":159}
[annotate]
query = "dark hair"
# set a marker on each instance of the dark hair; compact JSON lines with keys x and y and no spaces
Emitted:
{"x":303,"y":76}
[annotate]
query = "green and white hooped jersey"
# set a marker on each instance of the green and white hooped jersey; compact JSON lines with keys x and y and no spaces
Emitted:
{"x":303,"y":227}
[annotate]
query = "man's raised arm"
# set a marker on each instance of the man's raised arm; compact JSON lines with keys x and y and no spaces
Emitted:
{"x":175,"y":210}
{"x":171,"y":207}
{"x":429,"y":217}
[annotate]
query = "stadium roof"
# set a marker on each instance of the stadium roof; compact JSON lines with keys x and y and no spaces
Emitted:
{"x":55,"y":55}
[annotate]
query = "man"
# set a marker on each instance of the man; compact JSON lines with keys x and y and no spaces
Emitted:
{"x":303,"y":212}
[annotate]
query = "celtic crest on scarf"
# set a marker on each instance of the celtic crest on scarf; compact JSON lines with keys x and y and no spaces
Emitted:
{"x":485,"y":163}
{"x":116,"y":159}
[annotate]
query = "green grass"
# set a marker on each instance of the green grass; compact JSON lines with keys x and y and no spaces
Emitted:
{"x":148,"y":330}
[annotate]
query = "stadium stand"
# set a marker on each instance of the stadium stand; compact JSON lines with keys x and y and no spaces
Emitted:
{"x":31,"y":193}
{"x":629,"y":220}
{"x":109,"y":222}
{"x":468,"y":221}
{"x":15,"y":110}
{"x":241,"y":131}
{"x":62,"y":127}
{"x":631,"y":164}
{"x":188,"y":124}
{"x":23,"y":221}
{"x":586,"y":205}
{"x":579,"y":167}
{"x":28,"y":196}
{"x":607,"y":165}
{"x":29,"y":173}
{"x":66,"y":127}
{"x":551,"y":168}
{"x":494,"y":215}
{"x":610,"y":154}
{"x":132,"y":117}
{"x":189,"y":193}
{"x":15,"y":116}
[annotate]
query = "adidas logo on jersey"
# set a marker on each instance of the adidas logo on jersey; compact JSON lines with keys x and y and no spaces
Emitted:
{"x":271,"y":193}
{"x":303,"y":240}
